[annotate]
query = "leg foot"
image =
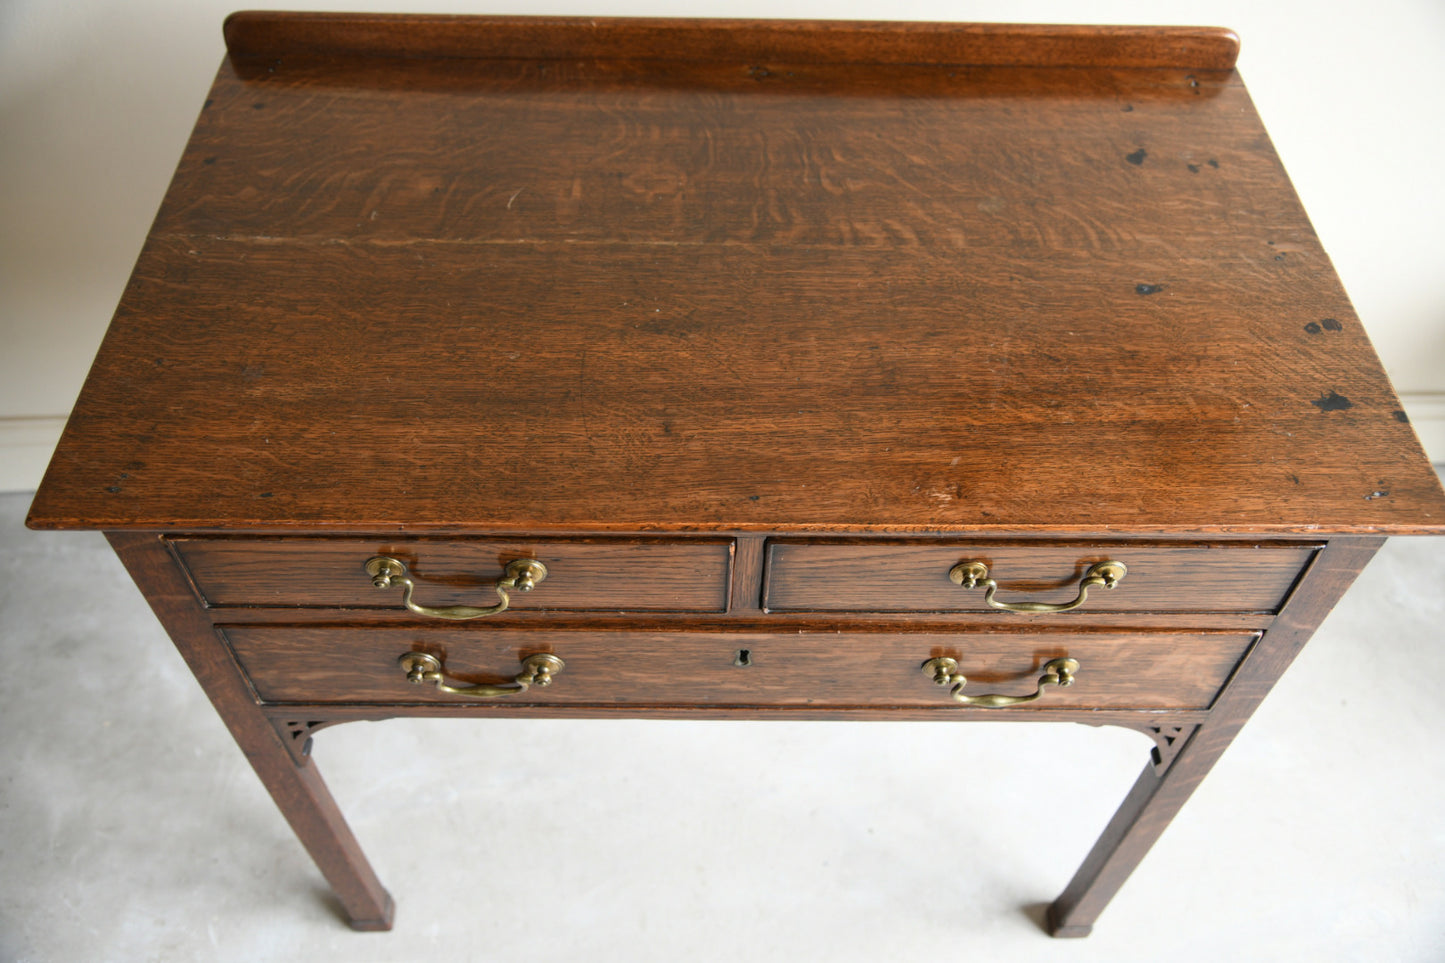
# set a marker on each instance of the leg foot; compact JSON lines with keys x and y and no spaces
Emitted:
{"x":380,"y":923}
{"x":1063,"y":932}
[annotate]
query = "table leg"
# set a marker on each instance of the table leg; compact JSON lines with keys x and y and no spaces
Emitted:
{"x":293,"y":781}
{"x":1139,"y":821}
{"x":1160,"y":791}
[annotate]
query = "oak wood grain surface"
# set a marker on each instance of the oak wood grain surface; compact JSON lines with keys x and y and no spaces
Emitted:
{"x":328,"y":664}
{"x":946,"y":711}
{"x":274,"y":34}
{"x":756,"y":620}
{"x":443,"y":294}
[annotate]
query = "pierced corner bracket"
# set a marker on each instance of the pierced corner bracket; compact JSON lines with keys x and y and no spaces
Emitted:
{"x":1168,"y":740}
{"x":296,"y":734}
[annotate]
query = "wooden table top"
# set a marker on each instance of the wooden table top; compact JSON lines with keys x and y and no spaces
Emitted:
{"x":451,"y":274}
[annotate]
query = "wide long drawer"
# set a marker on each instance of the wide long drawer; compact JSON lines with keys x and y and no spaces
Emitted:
{"x":583,"y":574}
{"x":328,"y":664}
{"x":913,"y":575}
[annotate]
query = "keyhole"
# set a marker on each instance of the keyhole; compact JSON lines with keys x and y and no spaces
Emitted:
{"x":745,"y":657}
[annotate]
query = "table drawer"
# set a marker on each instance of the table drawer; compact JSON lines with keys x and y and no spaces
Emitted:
{"x":1119,"y":670}
{"x":600,"y":574}
{"x":913,"y":576}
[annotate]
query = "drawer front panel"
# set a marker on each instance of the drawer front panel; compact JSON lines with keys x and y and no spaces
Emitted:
{"x":1117,"y":670}
{"x":902,"y":576}
{"x":657,"y":575}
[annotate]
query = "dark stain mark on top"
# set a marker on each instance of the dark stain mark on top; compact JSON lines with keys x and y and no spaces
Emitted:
{"x":753,"y":498}
{"x":1128,"y":108}
{"x":1401,"y":417}
{"x":1193,"y":168}
{"x":113,"y":489}
{"x":1330,"y":324}
{"x":1148,"y":288}
{"x":1193,"y":84}
{"x":759,"y":72}
{"x":259,"y":105}
{"x":208,"y":103}
{"x":1313,"y":327}
{"x":209,"y":160}
{"x":1294,"y":478}
{"x":1332,"y":402}
{"x":265,"y":494}
{"x":1137,"y":157}
{"x":1213,"y":163}
{"x":1378,"y":493}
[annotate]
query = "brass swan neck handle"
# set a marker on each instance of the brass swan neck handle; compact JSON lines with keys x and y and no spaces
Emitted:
{"x":1057,"y":672}
{"x":538,"y":670}
{"x":521,"y":575}
{"x":975,"y":574}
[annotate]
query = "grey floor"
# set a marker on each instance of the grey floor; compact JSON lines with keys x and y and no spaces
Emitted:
{"x":132,"y":829}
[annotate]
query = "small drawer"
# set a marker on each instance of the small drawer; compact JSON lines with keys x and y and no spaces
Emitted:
{"x":603,"y":574}
{"x":1120,"y":670}
{"x":913,"y":576}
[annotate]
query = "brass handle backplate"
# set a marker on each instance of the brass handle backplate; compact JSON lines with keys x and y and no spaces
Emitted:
{"x":421,"y":668}
{"x":1059,"y":672}
{"x":975,"y":574}
{"x":521,"y":575}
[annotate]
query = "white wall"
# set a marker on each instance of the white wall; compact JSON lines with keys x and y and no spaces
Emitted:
{"x":97,"y":98}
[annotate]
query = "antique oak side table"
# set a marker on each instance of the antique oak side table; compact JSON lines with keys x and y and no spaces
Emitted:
{"x":578,"y":368}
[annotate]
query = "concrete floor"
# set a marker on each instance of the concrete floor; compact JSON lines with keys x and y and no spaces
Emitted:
{"x":131,"y":828}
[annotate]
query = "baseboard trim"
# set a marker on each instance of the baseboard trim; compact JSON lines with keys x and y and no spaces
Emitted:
{"x":26,"y":444}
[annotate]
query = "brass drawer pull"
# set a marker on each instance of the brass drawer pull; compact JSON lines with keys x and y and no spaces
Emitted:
{"x":973,"y":574}
{"x":537,"y":669}
{"x":521,"y":575}
{"x":1059,"y":672}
